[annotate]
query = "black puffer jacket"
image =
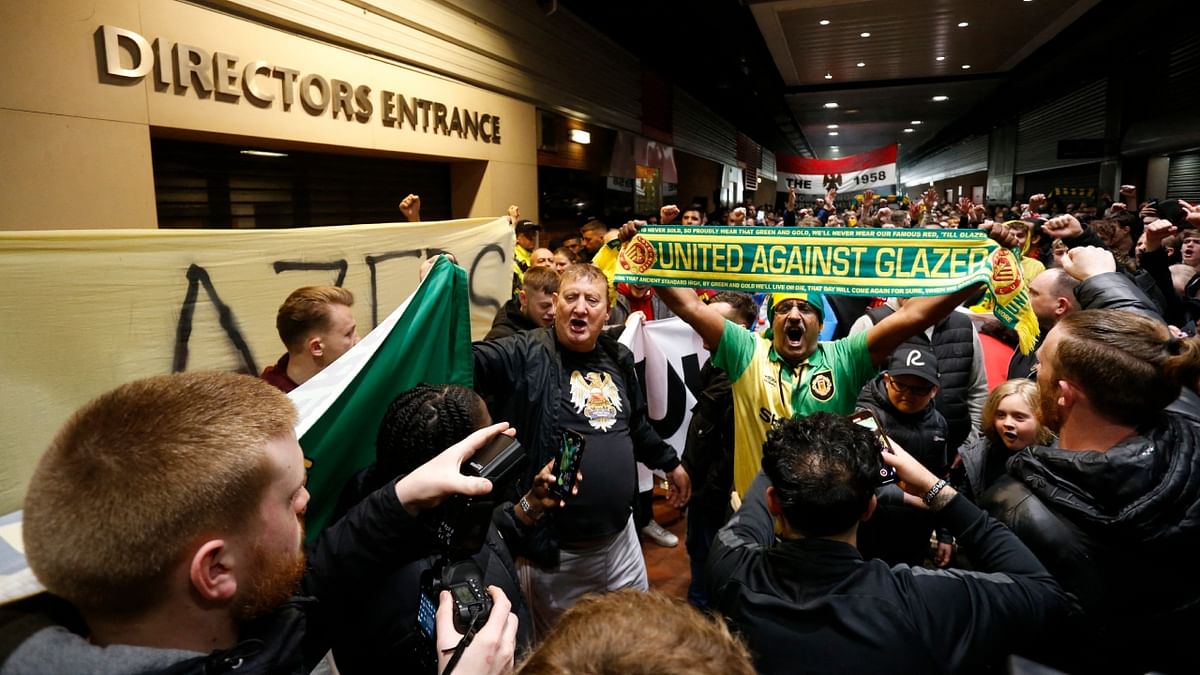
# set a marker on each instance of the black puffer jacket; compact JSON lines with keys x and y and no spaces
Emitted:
{"x":1120,"y":530}
{"x":922,"y":434}
{"x":898,"y":533}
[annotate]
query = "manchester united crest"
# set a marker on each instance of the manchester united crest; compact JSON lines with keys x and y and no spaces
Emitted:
{"x":1006,"y":272}
{"x":821,"y":386}
{"x":595,"y":395}
{"x":637,"y":256}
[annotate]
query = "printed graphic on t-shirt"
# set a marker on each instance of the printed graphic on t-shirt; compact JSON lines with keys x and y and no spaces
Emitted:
{"x":595,"y":395}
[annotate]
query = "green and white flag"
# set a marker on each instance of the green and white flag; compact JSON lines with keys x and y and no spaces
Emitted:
{"x":426,"y":339}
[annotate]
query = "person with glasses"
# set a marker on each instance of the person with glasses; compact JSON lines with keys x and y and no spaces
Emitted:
{"x":902,"y":398}
{"x":786,"y":371}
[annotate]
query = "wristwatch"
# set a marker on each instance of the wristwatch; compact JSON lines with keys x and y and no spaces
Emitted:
{"x":528,"y":509}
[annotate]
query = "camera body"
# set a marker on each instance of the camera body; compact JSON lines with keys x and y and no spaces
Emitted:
{"x":464,"y":581}
{"x":460,"y":527}
{"x":465,"y":520}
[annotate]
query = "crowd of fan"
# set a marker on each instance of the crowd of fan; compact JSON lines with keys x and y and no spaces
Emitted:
{"x":1045,"y":510}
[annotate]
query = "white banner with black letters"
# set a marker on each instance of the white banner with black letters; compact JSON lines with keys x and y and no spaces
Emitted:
{"x":668,"y":355}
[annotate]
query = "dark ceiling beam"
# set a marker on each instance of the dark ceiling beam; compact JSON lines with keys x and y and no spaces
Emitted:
{"x":886,"y":84}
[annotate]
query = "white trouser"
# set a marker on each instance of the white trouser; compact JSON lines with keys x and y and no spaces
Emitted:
{"x":611,"y":566}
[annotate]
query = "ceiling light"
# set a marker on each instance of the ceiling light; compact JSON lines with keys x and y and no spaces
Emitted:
{"x":833,"y":147}
{"x":831,"y":126}
{"x":833,"y":133}
{"x":864,"y":35}
{"x":966,"y":66}
{"x":860,"y":64}
{"x":263,"y":153}
{"x":581,"y":137}
{"x":824,"y":22}
{"x":963,"y":24}
{"x":831,"y":105}
{"x":940,"y":58}
{"x":939,"y":98}
{"x":915,"y":122}
{"x":909,"y":131}
{"x":829,"y":76}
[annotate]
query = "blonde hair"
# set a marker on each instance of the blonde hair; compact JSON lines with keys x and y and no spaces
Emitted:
{"x":585,"y":271}
{"x":136,"y":475}
{"x":307,"y":309}
{"x":1027,"y":391}
{"x":637,"y":633}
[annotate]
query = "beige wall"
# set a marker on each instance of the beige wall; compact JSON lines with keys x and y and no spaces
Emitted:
{"x":76,"y":142}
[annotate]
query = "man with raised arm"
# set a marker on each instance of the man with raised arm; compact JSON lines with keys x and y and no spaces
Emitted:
{"x":786,"y":372}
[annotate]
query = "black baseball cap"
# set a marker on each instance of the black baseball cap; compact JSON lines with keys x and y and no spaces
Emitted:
{"x":910,"y":359}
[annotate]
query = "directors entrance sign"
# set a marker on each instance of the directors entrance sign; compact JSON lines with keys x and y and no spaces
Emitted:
{"x":225,"y":77}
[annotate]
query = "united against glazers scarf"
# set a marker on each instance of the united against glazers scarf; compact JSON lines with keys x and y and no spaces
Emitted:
{"x":843,"y":261}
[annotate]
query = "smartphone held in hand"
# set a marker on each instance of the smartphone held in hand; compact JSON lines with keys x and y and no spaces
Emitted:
{"x":566,"y":468}
{"x":866,"y":418}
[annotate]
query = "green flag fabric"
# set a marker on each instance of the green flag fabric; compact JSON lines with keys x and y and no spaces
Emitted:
{"x":844,"y":261}
{"x":426,"y":339}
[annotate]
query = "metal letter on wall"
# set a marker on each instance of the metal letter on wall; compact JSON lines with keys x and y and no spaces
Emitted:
{"x":143,"y":55}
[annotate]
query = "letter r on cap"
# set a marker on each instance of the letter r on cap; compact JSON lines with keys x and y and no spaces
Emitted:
{"x":914,"y":358}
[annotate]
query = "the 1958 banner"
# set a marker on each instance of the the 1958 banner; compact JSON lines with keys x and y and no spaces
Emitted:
{"x":867,"y":170}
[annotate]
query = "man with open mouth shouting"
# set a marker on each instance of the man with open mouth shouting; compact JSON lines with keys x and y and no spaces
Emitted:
{"x":786,"y":371}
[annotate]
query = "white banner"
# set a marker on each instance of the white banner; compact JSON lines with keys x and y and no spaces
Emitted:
{"x":669,"y":355}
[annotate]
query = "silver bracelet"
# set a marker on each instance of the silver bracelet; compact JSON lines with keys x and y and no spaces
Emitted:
{"x":525,"y":506}
{"x":933,"y":491}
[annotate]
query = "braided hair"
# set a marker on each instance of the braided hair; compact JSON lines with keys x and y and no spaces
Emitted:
{"x":422,"y":422}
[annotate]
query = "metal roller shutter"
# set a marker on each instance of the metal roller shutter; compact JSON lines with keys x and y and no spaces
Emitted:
{"x":957,"y":160}
{"x":699,"y":131}
{"x":1183,"y":177}
{"x":1078,"y":115}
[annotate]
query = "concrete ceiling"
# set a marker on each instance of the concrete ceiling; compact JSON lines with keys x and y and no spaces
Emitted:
{"x":913,"y":51}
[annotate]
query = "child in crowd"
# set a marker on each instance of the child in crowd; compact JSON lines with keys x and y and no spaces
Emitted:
{"x":902,"y":398}
{"x":1010,"y":424}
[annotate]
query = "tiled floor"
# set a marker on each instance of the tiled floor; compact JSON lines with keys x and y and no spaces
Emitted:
{"x":668,"y":568}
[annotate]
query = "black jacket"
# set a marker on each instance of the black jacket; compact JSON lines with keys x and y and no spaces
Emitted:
{"x":970,"y":473}
{"x":897,"y":533}
{"x":953,"y":344}
{"x":922,"y":434}
{"x":1121,"y":530}
{"x":814,"y":605}
{"x":348,"y":556}
{"x":708,"y":454}
{"x":383,"y":628}
{"x":523,"y":374}
{"x":509,"y":321}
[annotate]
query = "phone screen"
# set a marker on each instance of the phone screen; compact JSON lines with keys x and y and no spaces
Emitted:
{"x":867,"y":419}
{"x":570,"y":455}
